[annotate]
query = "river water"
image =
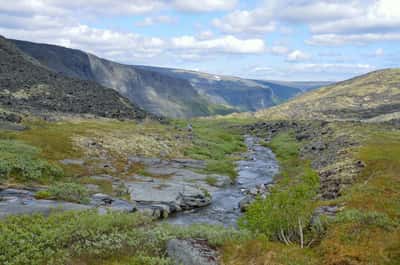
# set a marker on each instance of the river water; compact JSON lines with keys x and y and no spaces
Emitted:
{"x":258,"y":166}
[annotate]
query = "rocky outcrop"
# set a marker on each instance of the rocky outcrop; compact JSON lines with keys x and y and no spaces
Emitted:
{"x":25,"y":85}
{"x":19,"y":201}
{"x":191,"y":252}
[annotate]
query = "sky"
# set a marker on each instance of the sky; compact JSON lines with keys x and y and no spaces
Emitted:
{"x":273,"y":39}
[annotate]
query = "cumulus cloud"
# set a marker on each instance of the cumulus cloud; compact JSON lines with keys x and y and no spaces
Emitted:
{"x":245,"y":22}
{"x":204,"y":5}
{"x":150,"y":21}
{"x":297,"y":55}
{"x":331,"y":22}
{"x":225,"y":44}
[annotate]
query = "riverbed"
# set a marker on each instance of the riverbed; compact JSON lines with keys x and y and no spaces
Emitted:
{"x":258,"y":166}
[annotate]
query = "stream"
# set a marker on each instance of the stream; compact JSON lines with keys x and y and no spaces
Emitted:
{"x":258,"y":166}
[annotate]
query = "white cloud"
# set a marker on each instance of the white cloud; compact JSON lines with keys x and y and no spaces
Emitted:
{"x":204,"y":5}
{"x":339,"y":39}
{"x":297,"y":55}
{"x":331,"y":22}
{"x":379,"y":52}
{"x":245,"y":22}
{"x":279,"y":50}
{"x":225,"y":44}
{"x":150,"y":21}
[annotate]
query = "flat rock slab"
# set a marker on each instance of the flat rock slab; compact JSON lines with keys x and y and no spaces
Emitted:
{"x":191,"y":252}
{"x":17,"y":202}
{"x":19,"y":206}
{"x":180,"y":194}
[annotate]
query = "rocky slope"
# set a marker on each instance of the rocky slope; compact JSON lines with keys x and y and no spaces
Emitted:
{"x":25,"y":85}
{"x":239,"y":93}
{"x":164,"y":91}
{"x":374,"y":96}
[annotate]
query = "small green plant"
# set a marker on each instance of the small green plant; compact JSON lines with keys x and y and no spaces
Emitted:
{"x":71,"y":192}
{"x":21,"y":162}
{"x":366,"y":218}
{"x":287,"y":211}
{"x":212,"y":181}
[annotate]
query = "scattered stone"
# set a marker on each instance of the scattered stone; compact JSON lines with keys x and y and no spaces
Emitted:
{"x":191,"y":252}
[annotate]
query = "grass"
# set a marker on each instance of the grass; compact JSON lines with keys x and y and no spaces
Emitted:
{"x":216,"y":142}
{"x":368,"y":231}
{"x":87,"y":238}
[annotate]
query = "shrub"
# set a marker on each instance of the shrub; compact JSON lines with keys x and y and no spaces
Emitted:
{"x":287,"y":211}
{"x":21,"y":162}
{"x":378,"y":219}
{"x":63,"y":238}
{"x":71,"y":192}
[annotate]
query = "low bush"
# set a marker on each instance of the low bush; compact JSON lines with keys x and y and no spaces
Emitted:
{"x":21,"y":162}
{"x":286,"y":212}
{"x":378,"y":219}
{"x":71,"y":192}
{"x":89,"y":238}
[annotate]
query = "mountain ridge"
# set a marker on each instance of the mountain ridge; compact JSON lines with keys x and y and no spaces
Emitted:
{"x":28,"y":86}
{"x":169,"y":92}
{"x":374,"y":96}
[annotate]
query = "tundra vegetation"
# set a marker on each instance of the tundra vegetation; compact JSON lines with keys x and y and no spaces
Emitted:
{"x":276,"y":230}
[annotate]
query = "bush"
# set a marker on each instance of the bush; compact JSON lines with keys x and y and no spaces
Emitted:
{"x":63,"y":238}
{"x":378,"y":219}
{"x":71,"y":192}
{"x":22,"y":163}
{"x":287,"y":211}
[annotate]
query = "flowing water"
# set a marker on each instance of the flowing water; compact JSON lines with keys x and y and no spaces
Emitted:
{"x":258,"y":166}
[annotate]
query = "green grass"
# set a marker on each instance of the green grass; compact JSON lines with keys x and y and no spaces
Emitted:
{"x":368,"y":231}
{"x":20,"y":162}
{"x":216,"y":142}
{"x":291,"y":202}
{"x":87,"y":238}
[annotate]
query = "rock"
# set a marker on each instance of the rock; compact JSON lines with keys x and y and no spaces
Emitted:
{"x":78,"y":162}
{"x":245,"y":202}
{"x":105,"y":201}
{"x":191,"y":252}
{"x":175,"y":195}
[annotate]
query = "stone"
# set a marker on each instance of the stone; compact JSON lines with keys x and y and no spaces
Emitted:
{"x":245,"y":202}
{"x":191,"y":252}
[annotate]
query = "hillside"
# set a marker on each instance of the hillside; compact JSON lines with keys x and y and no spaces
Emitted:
{"x":164,"y":91}
{"x":242,"y":94}
{"x":27,"y":86}
{"x":374,"y":96}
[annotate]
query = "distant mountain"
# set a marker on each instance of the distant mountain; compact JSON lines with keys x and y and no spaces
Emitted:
{"x":164,"y":91}
{"x":371,"y":97}
{"x":304,"y":85}
{"x":242,"y":94}
{"x":25,"y":85}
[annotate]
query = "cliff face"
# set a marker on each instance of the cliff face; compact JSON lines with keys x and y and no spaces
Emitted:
{"x":25,"y":85}
{"x":164,"y":91}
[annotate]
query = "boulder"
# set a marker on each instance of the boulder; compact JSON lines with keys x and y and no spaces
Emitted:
{"x":191,"y":252}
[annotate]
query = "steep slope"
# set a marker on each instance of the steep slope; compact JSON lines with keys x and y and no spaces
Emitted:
{"x":151,"y":90}
{"x":170,"y":92}
{"x":243,"y":94}
{"x":27,"y":86}
{"x":374,"y":96}
{"x":303,"y":85}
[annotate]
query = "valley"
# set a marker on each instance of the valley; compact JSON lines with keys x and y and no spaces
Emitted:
{"x":93,"y":171}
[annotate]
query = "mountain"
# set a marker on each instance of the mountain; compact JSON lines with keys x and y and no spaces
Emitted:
{"x":242,"y":94}
{"x":374,"y":96}
{"x":303,"y":85}
{"x":164,"y":91}
{"x":25,"y":85}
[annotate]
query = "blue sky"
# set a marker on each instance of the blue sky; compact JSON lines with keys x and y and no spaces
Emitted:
{"x":281,"y":40}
